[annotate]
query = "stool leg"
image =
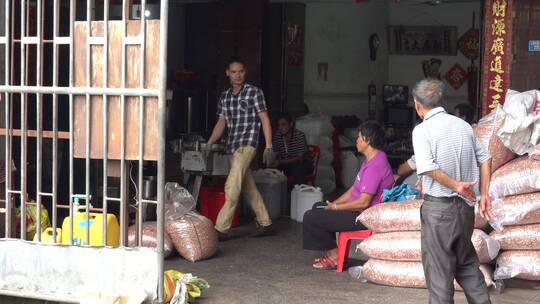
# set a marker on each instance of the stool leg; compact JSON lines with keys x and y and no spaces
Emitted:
{"x":343,"y":252}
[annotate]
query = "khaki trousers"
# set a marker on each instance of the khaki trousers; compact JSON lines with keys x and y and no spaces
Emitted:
{"x":240,"y":180}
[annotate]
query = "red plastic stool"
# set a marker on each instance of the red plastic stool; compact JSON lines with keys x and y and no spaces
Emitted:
{"x":344,"y":239}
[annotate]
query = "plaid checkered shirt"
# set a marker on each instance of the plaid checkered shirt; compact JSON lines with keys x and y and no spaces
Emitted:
{"x":240,"y":113}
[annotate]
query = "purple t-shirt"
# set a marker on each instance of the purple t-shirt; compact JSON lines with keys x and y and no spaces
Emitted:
{"x":375,"y":175}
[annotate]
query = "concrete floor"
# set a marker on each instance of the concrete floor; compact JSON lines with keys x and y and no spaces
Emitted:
{"x":277,"y":270}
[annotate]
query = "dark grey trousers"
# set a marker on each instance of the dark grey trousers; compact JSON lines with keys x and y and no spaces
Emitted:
{"x":448,"y":253}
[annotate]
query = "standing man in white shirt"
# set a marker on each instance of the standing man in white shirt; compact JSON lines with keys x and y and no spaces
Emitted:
{"x":448,"y":158}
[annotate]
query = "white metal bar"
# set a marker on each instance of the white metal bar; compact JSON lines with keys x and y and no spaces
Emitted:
{"x":94,"y":40}
{"x":88,"y":115}
{"x":24,"y":109}
{"x":123,"y":199}
{"x":62,"y":40}
{"x":3,"y":40}
{"x":80,"y":90}
{"x":142,"y":47}
{"x":7,"y":99}
{"x":71,"y":128}
{"x":162,"y":112}
{"x":105,"y":114}
{"x":39,"y":116}
{"x":29,"y":40}
{"x":132,"y":40}
{"x":56,"y":32}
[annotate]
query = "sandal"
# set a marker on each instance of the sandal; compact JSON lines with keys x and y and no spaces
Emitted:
{"x":325,"y":263}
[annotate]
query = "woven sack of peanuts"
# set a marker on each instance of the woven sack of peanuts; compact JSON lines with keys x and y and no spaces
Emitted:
{"x":400,"y":216}
{"x":193,"y":236}
{"x":519,"y":176}
{"x":407,"y":274}
{"x":149,"y":238}
{"x":521,"y":264}
{"x":406,"y":246}
{"x":486,"y":132}
{"x":516,"y":210}
{"x":535,"y":152}
{"x":522,"y":237}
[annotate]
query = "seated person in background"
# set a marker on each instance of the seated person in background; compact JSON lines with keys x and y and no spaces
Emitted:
{"x":321,"y":223}
{"x":463,"y":111}
{"x":290,"y":146}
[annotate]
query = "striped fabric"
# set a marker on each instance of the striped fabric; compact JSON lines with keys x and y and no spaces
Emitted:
{"x":447,"y":143}
{"x":240,"y":112}
{"x":296,"y":147}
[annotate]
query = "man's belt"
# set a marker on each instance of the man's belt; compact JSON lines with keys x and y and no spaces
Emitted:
{"x":442,"y":199}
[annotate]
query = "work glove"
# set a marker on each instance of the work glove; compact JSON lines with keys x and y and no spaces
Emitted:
{"x":269,"y":157}
{"x":205,"y":151}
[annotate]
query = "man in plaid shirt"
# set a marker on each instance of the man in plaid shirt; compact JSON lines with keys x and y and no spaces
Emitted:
{"x":242,"y":109}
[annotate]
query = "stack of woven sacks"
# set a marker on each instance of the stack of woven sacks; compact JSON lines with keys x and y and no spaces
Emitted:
{"x":394,"y":249}
{"x":515,"y":184}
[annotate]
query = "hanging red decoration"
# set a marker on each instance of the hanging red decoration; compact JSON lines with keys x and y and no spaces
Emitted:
{"x":469,"y":44}
{"x":456,"y":76}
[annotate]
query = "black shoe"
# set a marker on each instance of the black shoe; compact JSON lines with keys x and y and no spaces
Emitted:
{"x":223,"y":237}
{"x":261,"y":231}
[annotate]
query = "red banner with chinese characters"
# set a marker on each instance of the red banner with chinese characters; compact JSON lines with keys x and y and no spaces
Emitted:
{"x":497,"y":52}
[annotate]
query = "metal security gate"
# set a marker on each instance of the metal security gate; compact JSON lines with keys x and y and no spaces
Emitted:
{"x":112,"y":92}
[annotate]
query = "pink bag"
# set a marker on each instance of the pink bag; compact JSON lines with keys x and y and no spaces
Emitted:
{"x":520,"y":176}
{"x":516,"y":210}
{"x":407,"y":274}
{"x":523,"y":237}
{"x":486,"y":132}
{"x":522,"y":264}
{"x":406,"y":246}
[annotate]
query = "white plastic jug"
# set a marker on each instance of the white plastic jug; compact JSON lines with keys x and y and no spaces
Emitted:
{"x":305,"y":198}
{"x":294,"y":199}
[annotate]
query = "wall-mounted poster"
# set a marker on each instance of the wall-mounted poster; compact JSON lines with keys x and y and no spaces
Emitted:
{"x":422,"y":40}
{"x":295,"y":45}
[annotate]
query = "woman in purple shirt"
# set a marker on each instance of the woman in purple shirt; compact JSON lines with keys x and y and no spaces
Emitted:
{"x":325,"y":219}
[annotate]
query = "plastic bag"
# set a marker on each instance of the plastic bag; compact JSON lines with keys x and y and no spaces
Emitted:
{"x":522,"y":264}
{"x":516,"y":210}
{"x":357,"y":273}
{"x":31,"y":219}
{"x":406,"y":246}
{"x":523,"y":237}
{"x":149,"y":239}
{"x":400,"y":193}
{"x":520,"y":176}
{"x":178,"y":201}
{"x":407,"y":274}
{"x":486,"y":132}
{"x":193,"y":236}
{"x":521,"y":128}
{"x":180,"y":288}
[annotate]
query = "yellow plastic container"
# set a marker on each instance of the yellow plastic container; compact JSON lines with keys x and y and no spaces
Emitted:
{"x":95,"y":227}
{"x":47,"y":236}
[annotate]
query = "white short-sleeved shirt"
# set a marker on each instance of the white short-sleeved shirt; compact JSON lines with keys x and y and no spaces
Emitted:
{"x":447,"y":143}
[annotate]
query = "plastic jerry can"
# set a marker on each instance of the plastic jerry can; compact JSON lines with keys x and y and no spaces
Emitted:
{"x":95,"y":225}
{"x":305,"y":198}
{"x":47,"y":236}
{"x":294,"y":199}
{"x":272,"y":185}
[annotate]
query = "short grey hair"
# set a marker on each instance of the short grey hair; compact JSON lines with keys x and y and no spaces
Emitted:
{"x":429,"y":92}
